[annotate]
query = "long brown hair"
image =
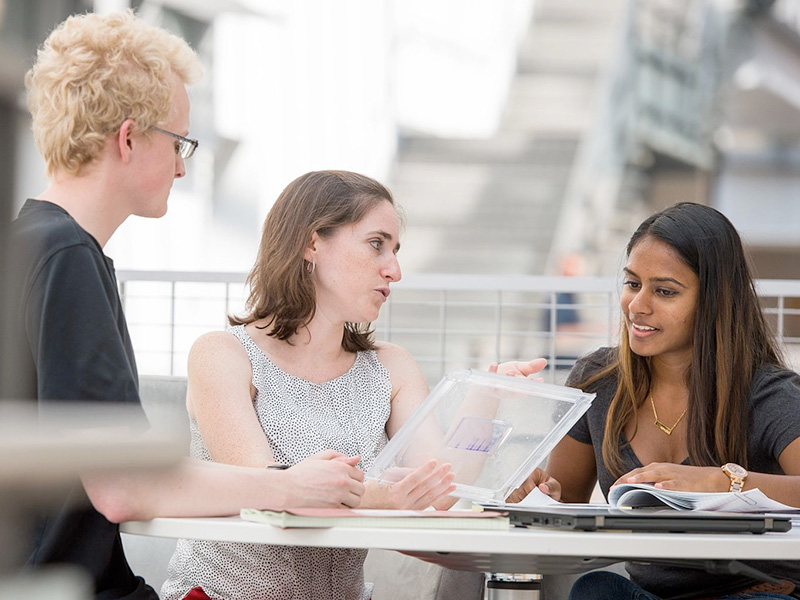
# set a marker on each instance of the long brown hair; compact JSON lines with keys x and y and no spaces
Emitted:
{"x":731,"y":341}
{"x":281,"y":284}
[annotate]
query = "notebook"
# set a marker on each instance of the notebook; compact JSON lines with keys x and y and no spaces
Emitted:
{"x":411,"y":519}
{"x":600,"y":518}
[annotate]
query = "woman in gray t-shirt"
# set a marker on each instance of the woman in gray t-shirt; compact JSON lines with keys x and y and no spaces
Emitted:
{"x":695,"y":397}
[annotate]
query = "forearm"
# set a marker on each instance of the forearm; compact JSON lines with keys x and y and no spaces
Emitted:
{"x":423,"y":487}
{"x":783,"y":488}
{"x":572,"y":464}
{"x":376,"y":495}
{"x":379,"y":495}
{"x":203,"y":489}
{"x":193,"y":489}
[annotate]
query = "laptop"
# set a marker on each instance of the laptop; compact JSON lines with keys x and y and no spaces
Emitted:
{"x":600,"y":518}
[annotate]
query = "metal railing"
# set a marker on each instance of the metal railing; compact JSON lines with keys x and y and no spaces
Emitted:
{"x":445,"y":321}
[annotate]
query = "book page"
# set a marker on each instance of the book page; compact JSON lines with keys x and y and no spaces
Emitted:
{"x":639,"y":495}
{"x":537,"y":498}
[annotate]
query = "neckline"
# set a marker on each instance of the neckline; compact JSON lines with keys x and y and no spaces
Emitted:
{"x":34,"y":204}
{"x":637,"y":462}
{"x":344,"y":375}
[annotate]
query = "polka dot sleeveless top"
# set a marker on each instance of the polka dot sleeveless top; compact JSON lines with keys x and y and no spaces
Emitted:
{"x":347,"y":414}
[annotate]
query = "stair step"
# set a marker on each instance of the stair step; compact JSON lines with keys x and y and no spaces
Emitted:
{"x":492,"y":205}
{"x":508,"y":147}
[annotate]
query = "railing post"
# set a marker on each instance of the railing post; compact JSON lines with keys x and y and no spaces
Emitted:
{"x":551,"y":359}
{"x":611,"y":312}
{"x":442,"y":334}
{"x":387,"y":323}
{"x":498,"y":325}
{"x":173,"y":285}
{"x":123,"y":294}
{"x":227,"y":305}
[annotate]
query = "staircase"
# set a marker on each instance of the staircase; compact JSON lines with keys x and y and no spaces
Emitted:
{"x":491,"y":205}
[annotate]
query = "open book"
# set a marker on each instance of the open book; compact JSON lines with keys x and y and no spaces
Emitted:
{"x":411,"y":519}
{"x":639,"y":495}
{"x":645,"y":495}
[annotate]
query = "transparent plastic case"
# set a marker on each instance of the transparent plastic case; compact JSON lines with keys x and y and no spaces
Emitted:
{"x":493,"y":430}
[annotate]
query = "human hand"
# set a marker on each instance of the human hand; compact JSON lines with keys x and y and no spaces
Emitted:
{"x":445,"y":503}
{"x":669,"y":476}
{"x":518,"y":368}
{"x":424,"y":486}
{"x":539,"y":478}
{"x":396,"y":474}
{"x":327,"y":479}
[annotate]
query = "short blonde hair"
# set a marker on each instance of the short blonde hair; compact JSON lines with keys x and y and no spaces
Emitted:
{"x":95,"y":71}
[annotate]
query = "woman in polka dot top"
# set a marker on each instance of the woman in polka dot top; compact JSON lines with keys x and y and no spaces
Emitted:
{"x":300,"y":374}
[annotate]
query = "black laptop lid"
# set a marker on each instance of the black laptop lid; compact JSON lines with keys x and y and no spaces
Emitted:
{"x":605,"y":518}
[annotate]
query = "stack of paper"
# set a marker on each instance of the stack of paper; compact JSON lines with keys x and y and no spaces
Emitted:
{"x":638,"y":495}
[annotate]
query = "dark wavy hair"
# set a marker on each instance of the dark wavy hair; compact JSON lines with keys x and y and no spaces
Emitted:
{"x":281,"y":286}
{"x":731,"y":340}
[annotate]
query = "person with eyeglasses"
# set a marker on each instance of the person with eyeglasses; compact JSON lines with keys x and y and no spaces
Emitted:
{"x":110,"y":116}
{"x":184,"y":146}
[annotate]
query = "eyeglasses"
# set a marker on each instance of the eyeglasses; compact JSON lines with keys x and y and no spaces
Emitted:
{"x":185,"y":146}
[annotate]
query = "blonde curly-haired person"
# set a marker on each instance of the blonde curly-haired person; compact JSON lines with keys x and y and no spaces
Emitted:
{"x":111,"y":119}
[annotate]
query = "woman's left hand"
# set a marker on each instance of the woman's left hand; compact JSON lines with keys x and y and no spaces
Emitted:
{"x":417,"y":489}
{"x":518,"y":368}
{"x":669,"y":476}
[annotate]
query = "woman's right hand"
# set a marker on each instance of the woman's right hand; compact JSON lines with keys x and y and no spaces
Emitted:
{"x":418,"y":490}
{"x":326,"y":479}
{"x":539,"y":478}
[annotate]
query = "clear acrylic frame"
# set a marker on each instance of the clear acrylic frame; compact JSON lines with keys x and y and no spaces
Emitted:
{"x":493,"y":430}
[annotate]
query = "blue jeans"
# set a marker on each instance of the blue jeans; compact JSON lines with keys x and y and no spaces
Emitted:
{"x":604,"y":585}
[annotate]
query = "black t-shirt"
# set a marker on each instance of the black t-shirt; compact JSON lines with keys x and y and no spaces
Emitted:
{"x":71,"y":342}
{"x":774,"y":424}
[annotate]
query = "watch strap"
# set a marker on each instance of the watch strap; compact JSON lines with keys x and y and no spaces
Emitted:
{"x":737,"y":481}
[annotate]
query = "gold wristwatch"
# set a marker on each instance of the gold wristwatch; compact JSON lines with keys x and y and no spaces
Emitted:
{"x":737,"y":474}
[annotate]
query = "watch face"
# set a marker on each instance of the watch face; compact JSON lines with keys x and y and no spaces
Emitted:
{"x":735,"y":470}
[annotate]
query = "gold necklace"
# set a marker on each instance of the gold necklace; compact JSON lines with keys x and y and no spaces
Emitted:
{"x":661,"y":425}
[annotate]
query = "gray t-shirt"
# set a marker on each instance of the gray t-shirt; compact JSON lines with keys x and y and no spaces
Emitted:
{"x":774,"y":424}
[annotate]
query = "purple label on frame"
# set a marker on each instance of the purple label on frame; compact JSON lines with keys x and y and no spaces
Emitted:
{"x":478,"y":435}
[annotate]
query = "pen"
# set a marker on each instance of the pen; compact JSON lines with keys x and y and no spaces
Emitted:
{"x":281,"y":467}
